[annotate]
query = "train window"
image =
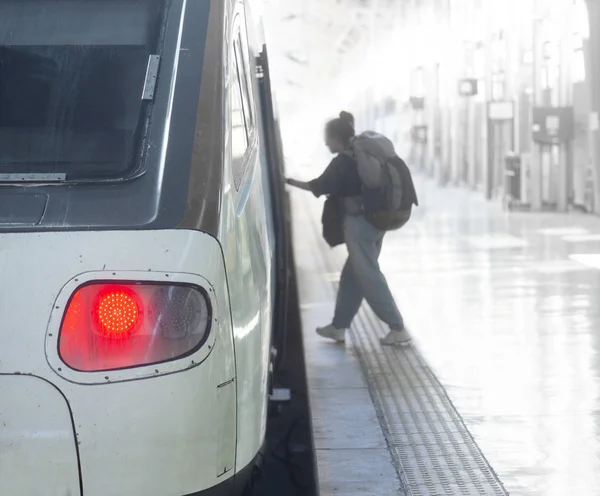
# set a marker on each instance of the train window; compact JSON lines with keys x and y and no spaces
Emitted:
{"x":71,"y":79}
{"x":242,"y":61}
{"x":239,"y":137}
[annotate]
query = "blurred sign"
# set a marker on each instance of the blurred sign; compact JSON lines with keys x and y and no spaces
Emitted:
{"x":419,"y":134}
{"x":389,"y":106}
{"x":417,"y":102}
{"x":501,"y":111}
{"x":467,"y":87}
{"x":552,"y":125}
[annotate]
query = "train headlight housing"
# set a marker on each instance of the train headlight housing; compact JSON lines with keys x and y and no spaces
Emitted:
{"x":116,"y":326}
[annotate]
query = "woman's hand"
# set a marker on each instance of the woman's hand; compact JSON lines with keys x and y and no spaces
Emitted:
{"x":297,"y":184}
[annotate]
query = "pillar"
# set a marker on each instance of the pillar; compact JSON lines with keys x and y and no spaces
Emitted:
{"x":565,"y":100}
{"x":593,"y":76}
{"x":537,"y":158}
{"x":486,"y":128}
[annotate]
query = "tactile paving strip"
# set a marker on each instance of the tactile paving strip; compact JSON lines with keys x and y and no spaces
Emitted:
{"x":433,"y":450}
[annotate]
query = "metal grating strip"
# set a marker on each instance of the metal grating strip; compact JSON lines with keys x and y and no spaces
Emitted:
{"x":432,"y":448}
{"x":437,"y":455}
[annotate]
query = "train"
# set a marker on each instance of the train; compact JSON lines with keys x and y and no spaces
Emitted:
{"x":144,"y":247}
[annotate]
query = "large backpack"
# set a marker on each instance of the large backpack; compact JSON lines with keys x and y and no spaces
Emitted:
{"x":388,"y":191}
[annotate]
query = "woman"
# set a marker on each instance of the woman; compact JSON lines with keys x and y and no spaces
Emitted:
{"x":361,"y":277}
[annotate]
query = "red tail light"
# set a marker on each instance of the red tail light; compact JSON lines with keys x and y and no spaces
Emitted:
{"x":118,"y":313}
{"x":116,"y":326}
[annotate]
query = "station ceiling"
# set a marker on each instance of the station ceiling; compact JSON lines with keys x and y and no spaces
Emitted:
{"x":310,"y":41}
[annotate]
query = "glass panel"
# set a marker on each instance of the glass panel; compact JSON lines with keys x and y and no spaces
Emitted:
{"x":241,"y":56}
{"x":71,"y":79}
{"x":239,"y":139}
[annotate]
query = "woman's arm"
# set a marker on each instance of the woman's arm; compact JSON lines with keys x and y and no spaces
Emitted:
{"x":298,"y":184}
{"x":327,"y":183}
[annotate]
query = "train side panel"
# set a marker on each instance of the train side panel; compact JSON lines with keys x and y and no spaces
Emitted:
{"x":161,"y":429}
{"x":248,"y":252}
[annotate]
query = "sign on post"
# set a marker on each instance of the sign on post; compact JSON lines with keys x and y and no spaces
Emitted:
{"x":553,"y":125}
{"x":468,"y":87}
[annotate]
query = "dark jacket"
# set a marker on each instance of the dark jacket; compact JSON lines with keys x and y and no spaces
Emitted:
{"x":340,"y":179}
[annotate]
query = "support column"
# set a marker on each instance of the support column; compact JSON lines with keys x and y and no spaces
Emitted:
{"x":455,"y":143}
{"x":536,"y":162}
{"x":565,"y":100}
{"x":446,"y":107}
{"x":471,"y":144}
{"x":486,"y":128}
{"x":593,"y":76}
{"x":434,"y":121}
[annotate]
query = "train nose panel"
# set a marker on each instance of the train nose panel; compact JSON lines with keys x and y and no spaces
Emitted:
{"x":38,"y":454}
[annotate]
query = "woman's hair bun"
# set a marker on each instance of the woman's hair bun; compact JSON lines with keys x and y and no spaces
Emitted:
{"x":347,"y":117}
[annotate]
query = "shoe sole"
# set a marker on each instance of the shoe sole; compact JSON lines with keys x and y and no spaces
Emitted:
{"x":404,"y":344}
{"x":340,"y":341}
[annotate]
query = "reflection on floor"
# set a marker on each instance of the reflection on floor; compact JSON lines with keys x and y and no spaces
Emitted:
{"x":506,"y":310}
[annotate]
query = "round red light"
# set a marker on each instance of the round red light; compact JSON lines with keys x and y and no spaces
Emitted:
{"x":118,"y":313}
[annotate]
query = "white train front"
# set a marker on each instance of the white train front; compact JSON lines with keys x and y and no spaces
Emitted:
{"x":138,"y":247}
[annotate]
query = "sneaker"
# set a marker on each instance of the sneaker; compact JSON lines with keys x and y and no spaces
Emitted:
{"x":330,"y":332}
{"x":397,"y":338}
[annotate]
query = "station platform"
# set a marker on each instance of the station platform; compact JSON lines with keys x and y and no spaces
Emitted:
{"x":500,"y":392}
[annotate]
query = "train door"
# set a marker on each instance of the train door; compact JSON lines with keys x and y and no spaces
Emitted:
{"x":274,"y":164}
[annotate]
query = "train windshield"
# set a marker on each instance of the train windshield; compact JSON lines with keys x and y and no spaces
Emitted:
{"x":72,"y":75}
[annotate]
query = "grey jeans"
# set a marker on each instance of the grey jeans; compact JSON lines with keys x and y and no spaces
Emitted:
{"x":362,"y":278}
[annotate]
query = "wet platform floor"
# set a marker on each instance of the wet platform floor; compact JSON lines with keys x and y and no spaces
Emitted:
{"x":505,"y":309}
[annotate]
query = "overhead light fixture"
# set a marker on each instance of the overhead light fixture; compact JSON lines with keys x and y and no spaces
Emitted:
{"x":296,"y":60}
